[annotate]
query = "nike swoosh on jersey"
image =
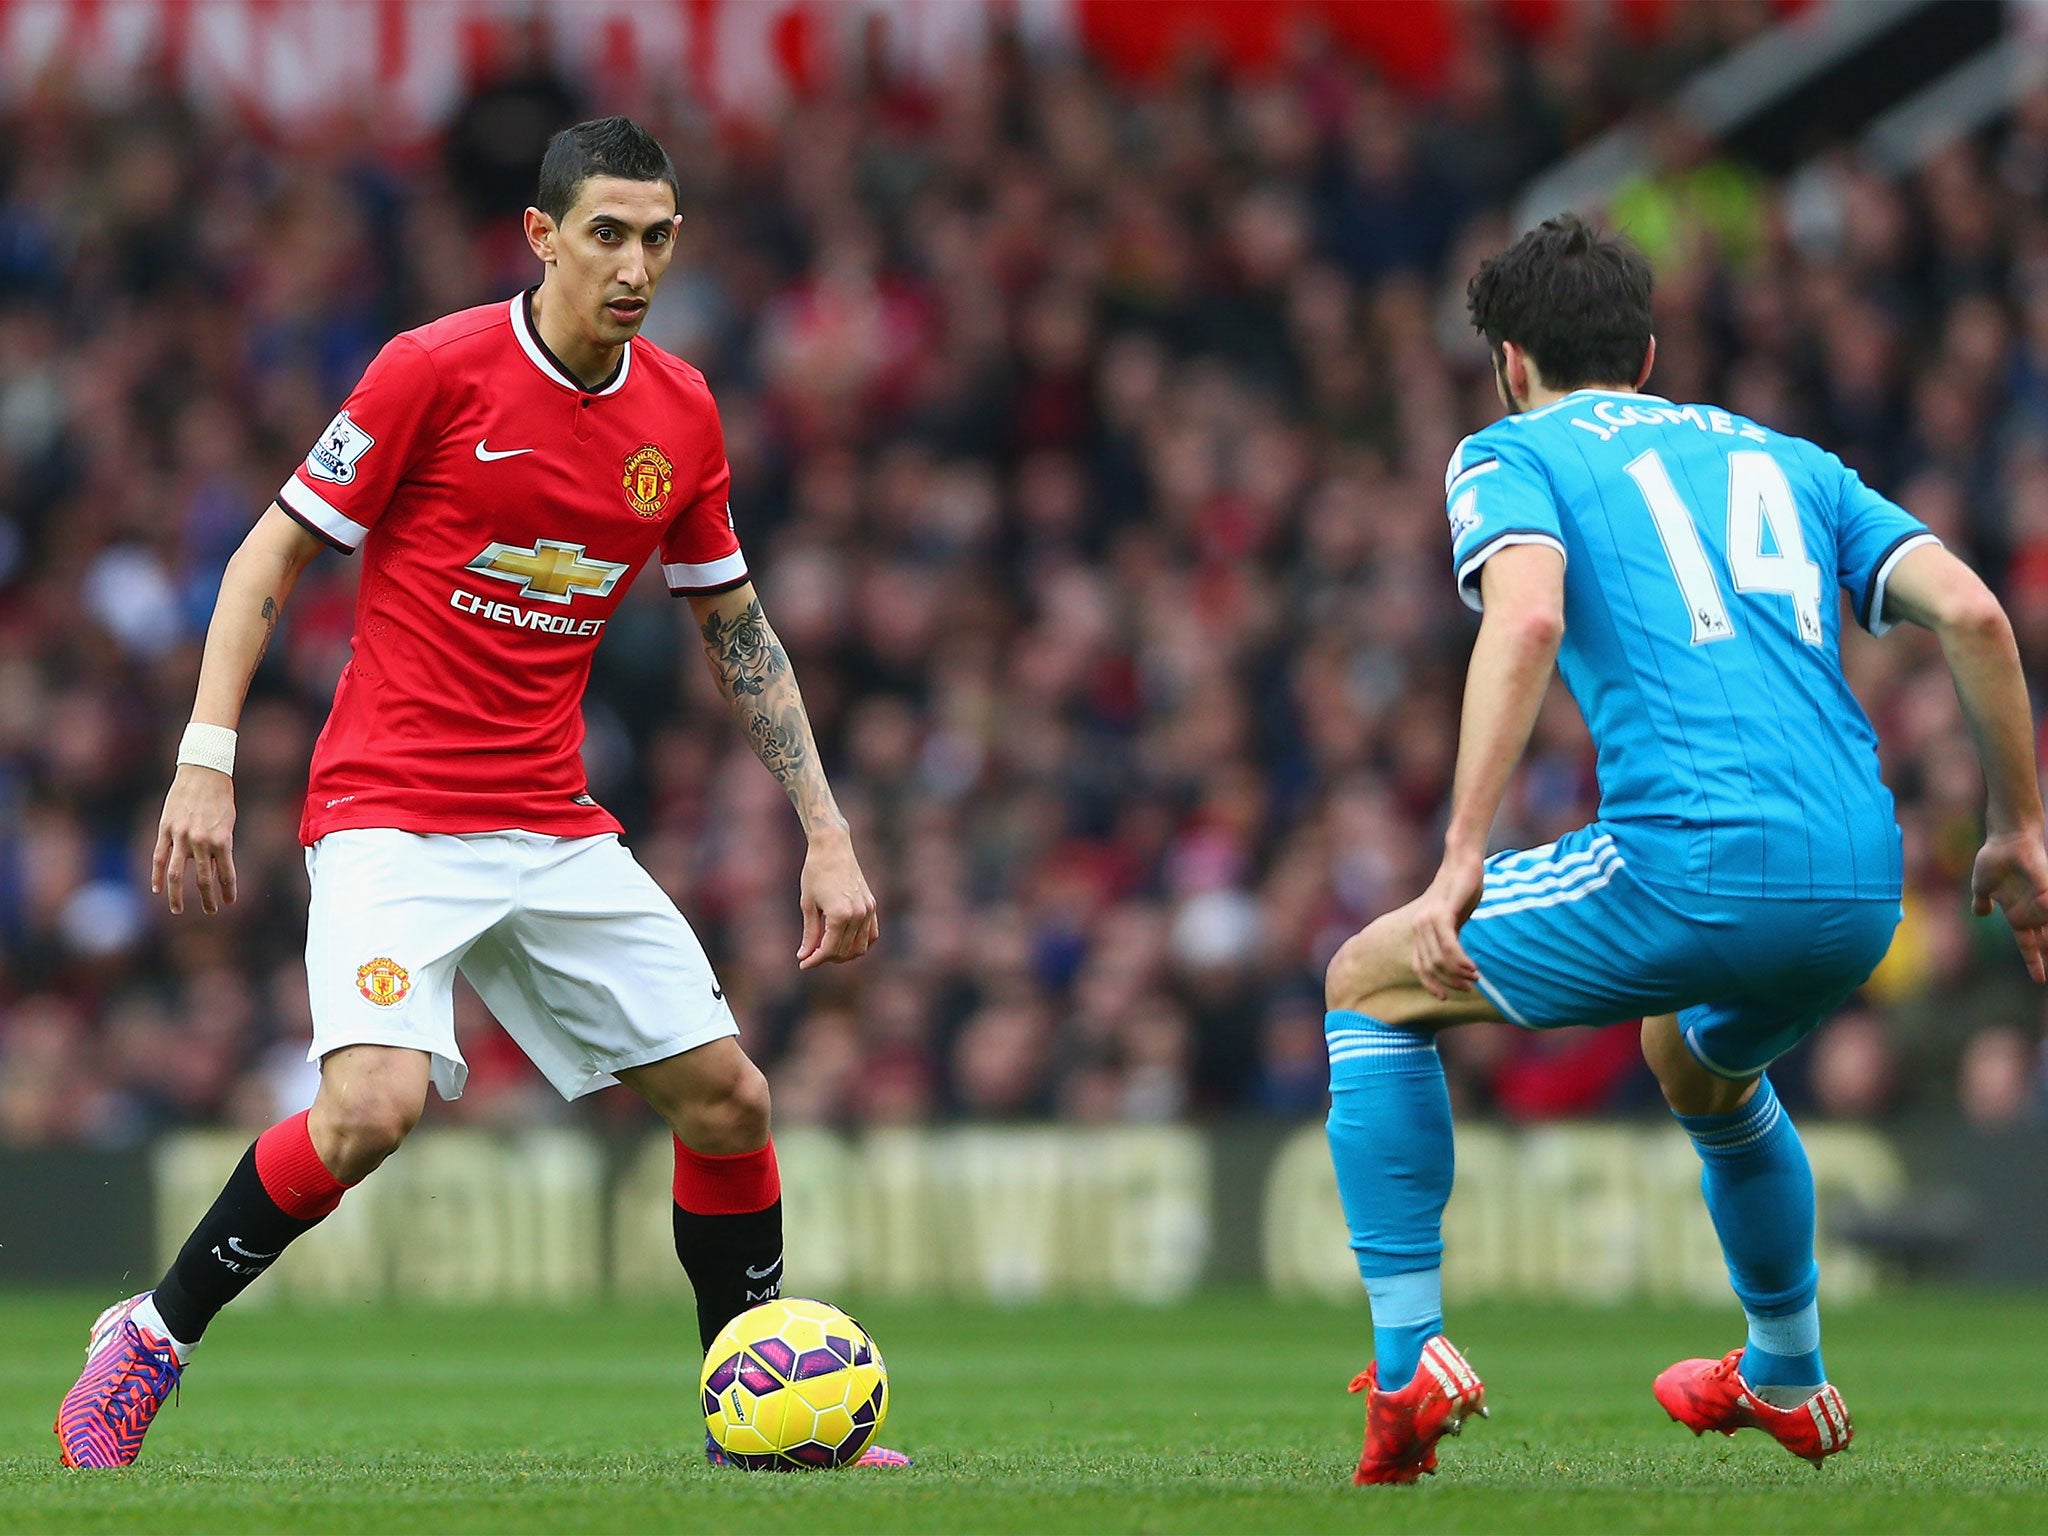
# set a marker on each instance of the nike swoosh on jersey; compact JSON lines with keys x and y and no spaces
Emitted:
{"x":488,"y":454}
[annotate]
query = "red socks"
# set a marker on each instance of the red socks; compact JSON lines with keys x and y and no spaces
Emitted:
{"x":731,"y":1185}
{"x":705,"y":1185}
{"x":292,"y":1172}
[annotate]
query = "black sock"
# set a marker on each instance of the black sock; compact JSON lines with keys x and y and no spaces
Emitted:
{"x":734,"y":1262}
{"x":235,"y":1241}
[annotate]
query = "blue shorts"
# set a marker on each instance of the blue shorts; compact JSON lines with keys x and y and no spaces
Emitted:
{"x":1567,"y":934}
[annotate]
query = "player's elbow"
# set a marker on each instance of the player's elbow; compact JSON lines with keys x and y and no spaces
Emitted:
{"x":1935,"y":590}
{"x":1971,"y":613}
{"x":1544,"y":626}
{"x":252,"y":565}
{"x":1533,"y":624}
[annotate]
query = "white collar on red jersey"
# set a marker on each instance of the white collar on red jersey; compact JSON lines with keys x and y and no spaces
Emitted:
{"x":537,"y":352}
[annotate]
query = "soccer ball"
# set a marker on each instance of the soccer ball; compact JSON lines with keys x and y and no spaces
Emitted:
{"x":792,"y":1385}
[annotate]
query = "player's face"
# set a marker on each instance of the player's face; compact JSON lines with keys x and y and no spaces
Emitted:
{"x":609,"y":253}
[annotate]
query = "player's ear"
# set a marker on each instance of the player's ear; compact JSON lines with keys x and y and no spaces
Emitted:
{"x":540,"y":234}
{"x":1649,"y":362}
{"x":1511,"y":374}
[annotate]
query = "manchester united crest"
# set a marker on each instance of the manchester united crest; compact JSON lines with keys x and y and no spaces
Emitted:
{"x":383,"y":981}
{"x":648,"y":480}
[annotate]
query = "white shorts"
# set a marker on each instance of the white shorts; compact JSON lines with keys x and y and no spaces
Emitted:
{"x":582,"y":957}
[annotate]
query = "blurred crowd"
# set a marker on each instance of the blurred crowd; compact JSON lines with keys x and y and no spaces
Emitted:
{"x":1087,"y":442}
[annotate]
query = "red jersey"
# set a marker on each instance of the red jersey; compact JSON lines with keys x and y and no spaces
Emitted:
{"x":503,"y":508}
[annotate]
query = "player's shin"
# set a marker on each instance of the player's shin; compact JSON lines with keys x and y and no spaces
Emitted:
{"x":728,"y":1226}
{"x":279,"y":1191}
{"x":1390,"y":1137}
{"x":1759,"y":1190}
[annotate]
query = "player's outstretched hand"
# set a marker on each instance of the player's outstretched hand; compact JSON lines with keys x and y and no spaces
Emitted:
{"x":839,"y":909}
{"x":1438,"y":959}
{"x":198,"y":828}
{"x":2012,"y":874}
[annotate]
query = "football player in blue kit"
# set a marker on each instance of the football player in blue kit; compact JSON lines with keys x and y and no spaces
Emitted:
{"x":1676,"y":562}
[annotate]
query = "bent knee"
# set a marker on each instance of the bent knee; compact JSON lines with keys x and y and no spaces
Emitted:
{"x":1688,"y":1087}
{"x":1342,"y":978}
{"x":747,"y":1106}
{"x":1701,"y":1093}
{"x":733,"y":1117}
{"x":1358,"y":978}
{"x":358,"y":1133}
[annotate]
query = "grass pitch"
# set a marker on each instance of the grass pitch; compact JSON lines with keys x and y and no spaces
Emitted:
{"x":1228,"y":1414}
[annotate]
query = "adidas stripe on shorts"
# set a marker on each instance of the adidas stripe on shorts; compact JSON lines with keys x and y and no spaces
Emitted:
{"x":1569,"y":934}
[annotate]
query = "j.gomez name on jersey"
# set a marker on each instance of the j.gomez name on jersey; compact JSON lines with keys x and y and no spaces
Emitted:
{"x":522,"y":618}
{"x":1614,"y":417}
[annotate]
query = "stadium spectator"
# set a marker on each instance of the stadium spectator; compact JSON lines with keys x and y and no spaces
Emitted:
{"x":1088,"y":440}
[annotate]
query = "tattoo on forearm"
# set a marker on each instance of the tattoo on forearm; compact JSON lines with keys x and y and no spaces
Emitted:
{"x":781,"y":748}
{"x":744,"y":651}
{"x":269,"y":627}
{"x":753,"y":671}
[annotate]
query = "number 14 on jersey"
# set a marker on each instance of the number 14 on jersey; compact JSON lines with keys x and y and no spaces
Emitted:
{"x":1759,"y":498}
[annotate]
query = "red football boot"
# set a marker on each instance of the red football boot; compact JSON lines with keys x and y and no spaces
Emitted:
{"x":1402,"y":1428}
{"x":1711,"y":1394}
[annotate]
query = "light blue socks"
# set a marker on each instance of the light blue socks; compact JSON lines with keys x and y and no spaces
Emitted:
{"x":1390,"y":1137}
{"x":1759,"y":1191}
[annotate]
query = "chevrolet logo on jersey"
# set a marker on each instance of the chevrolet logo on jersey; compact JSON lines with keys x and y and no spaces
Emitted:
{"x":552,"y":571}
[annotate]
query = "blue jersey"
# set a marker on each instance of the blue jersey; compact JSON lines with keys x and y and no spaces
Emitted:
{"x":1702,"y":632}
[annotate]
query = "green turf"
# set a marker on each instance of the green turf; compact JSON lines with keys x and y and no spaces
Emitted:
{"x":1226,"y":1415}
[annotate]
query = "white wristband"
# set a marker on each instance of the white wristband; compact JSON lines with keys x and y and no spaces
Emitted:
{"x":208,"y":746}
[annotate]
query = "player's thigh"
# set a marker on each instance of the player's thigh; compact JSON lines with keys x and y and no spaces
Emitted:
{"x":381,"y":1074}
{"x":1788,"y":965}
{"x":1564,"y":934}
{"x":391,"y":915}
{"x":595,"y":971}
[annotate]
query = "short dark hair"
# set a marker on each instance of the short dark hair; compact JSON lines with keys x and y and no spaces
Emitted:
{"x":604,"y":146}
{"x":1576,"y":298}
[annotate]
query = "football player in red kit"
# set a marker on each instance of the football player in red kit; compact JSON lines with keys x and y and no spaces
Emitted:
{"x":505,"y":473}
